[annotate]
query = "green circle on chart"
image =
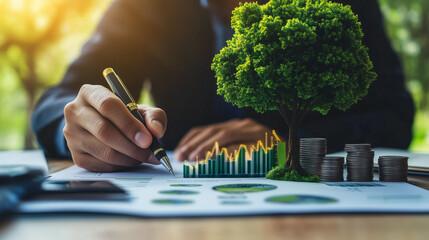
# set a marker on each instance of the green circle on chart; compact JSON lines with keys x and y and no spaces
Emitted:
{"x":178,"y":192}
{"x":301,"y":199}
{"x":235,"y":202}
{"x":185,"y":185}
{"x":168,"y":201}
{"x":244,"y":188}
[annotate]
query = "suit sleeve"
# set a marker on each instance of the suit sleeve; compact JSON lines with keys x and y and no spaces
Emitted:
{"x":117,"y":42}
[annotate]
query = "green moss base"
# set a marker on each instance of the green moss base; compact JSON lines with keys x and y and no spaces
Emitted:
{"x":282,"y":173}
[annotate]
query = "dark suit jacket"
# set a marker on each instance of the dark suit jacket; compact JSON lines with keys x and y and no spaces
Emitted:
{"x":171,"y":43}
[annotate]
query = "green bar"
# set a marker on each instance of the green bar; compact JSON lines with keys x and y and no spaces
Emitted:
{"x":264,"y":162}
{"x":275,"y":156}
{"x":217,"y":163}
{"x":193,"y":171}
{"x":209,"y":162}
{"x":186,"y":171}
{"x":257,"y":162}
{"x":242,"y":162}
{"x":213,"y":163}
{"x":199,"y":168}
{"x":215,"y":166}
{"x":261,"y":161}
{"x":239,"y":163}
{"x":225,"y":164}
{"x":281,"y":154}
{"x":249,"y":167}
{"x":238,"y":166}
{"x":232,"y":167}
{"x":254,"y":161}
{"x":270,"y":159}
{"x":220,"y":163}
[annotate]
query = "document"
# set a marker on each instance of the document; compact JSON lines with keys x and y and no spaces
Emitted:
{"x":30,"y":158}
{"x":154,"y":192}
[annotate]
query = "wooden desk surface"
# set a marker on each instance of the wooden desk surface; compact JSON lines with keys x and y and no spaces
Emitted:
{"x":338,"y":226}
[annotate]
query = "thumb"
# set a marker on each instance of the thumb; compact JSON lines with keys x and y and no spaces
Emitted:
{"x":156,"y":128}
{"x":155,"y":119}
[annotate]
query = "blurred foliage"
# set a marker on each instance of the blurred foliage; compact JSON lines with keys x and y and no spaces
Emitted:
{"x":27,"y":52}
{"x":38,"y":38}
{"x":407,"y":24}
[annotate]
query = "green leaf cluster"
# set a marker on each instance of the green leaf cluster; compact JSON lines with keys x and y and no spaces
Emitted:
{"x":282,"y":173}
{"x":307,"y":50}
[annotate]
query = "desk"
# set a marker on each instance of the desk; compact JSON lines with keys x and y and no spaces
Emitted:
{"x":333,"y":226}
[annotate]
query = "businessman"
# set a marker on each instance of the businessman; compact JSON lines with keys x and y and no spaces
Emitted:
{"x":171,"y":44}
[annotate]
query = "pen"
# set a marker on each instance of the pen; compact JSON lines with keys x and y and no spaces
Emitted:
{"x":118,"y":87}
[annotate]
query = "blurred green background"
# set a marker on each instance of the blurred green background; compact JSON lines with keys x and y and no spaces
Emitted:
{"x":38,"y":38}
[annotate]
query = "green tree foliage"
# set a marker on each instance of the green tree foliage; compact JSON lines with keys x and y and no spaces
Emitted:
{"x":407,"y":25}
{"x":294,"y":56}
{"x":37,"y":40}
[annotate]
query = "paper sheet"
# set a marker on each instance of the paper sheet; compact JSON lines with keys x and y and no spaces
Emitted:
{"x":156,"y":193}
{"x":31,"y":158}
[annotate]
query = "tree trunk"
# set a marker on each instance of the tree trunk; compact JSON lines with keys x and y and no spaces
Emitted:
{"x":293,"y":119}
{"x":293,"y":154}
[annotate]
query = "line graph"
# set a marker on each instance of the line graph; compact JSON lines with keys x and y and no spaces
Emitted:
{"x":255,"y":161}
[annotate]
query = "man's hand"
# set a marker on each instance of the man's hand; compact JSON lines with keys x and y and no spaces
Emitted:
{"x":229,"y":134}
{"x":103,"y":136}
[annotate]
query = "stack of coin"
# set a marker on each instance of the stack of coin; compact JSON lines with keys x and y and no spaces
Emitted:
{"x":393,"y":168}
{"x":332,"y":169}
{"x":360,"y":162}
{"x":312,"y":152}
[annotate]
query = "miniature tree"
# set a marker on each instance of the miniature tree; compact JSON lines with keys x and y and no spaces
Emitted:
{"x":294,"y":56}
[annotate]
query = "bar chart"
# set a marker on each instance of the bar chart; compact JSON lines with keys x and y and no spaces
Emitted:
{"x":255,"y":161}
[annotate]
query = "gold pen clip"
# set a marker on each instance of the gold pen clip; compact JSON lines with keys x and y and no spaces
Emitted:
{"x":132,"y":106}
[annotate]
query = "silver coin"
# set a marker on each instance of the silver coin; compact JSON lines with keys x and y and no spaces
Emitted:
{"x":312,"y":152}
{"x":359,"y":162}
{"x":332,"y":169}
{"x":393,"y":168}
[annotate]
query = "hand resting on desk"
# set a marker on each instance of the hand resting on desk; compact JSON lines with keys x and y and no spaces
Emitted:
{"x":229,"y":134}
{"x":103,"y":136}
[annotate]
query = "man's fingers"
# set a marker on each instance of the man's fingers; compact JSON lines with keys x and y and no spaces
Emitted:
{"x":152,"y":160}
{"x":155,"y":119}
{"x":188,"y":136}
{"x":200,"y":140}
{"x":81,"y":140}
{"x":179,"y":152}
{"x":184,"y":151}
{"x":113,"y":109}
{"x":105,"y":153}
{"x":109,"y":135}
{"x":196,"y":130}
{"x":222,"y":137}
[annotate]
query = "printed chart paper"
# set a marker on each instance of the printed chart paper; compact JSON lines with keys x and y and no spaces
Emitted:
{"x":156,"y":193}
